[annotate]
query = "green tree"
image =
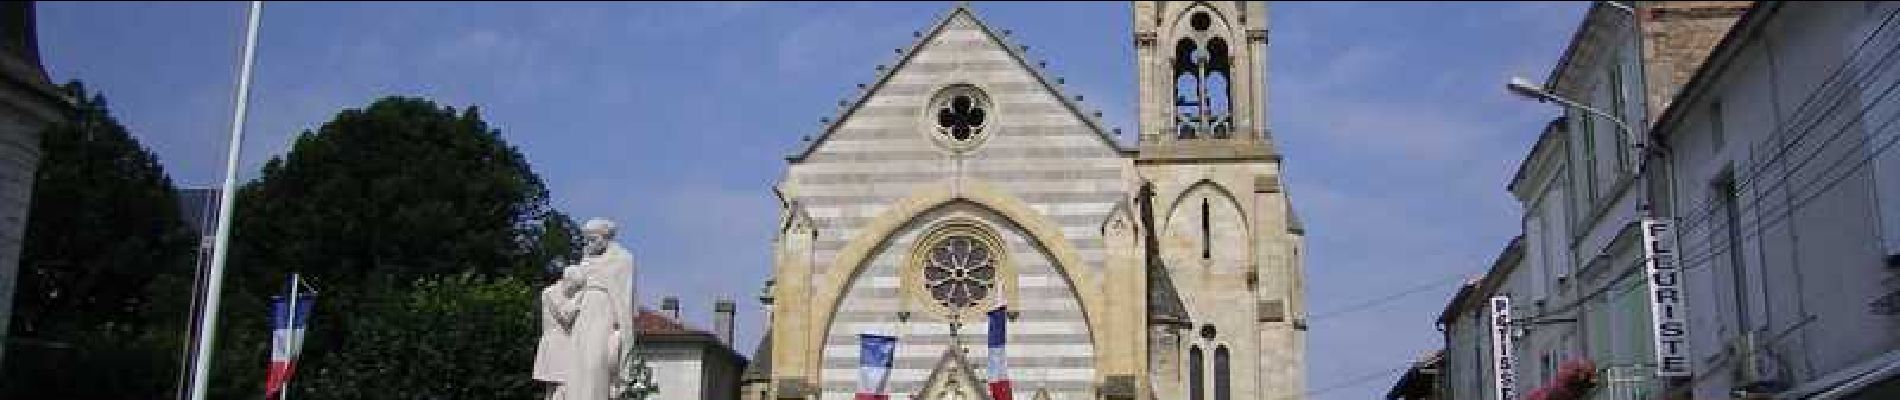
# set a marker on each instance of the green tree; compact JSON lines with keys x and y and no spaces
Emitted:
{"x":104,"y":269}
{"x":451,"y":337}
{"x":374,"y":200}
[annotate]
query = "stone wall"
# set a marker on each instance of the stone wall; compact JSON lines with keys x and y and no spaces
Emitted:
{"x":1677,"y":37}
{"x":1036,"y":149}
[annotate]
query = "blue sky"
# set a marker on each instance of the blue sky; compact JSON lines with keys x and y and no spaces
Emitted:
{"x":674,"y":118}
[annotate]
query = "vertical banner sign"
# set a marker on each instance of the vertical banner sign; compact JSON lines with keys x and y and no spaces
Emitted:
{"x":1665,"y":297}
{"x":1501,"y":358}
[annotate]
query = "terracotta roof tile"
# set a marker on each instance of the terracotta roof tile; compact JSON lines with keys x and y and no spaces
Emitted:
{"x":651,"y":322}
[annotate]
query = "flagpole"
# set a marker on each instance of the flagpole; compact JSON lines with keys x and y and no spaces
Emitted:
{"x":293,"y":340}
{"x":208,"y":319}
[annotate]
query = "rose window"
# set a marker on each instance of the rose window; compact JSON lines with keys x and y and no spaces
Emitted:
{"x":961,"y":118}
{"x":959,"y":272}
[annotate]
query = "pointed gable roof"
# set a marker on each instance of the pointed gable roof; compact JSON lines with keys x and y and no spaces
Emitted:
{"x":910,"y":52}
{"x":760,"y":369}
{"x":953,"y":372}
{"x":1164,"y":302}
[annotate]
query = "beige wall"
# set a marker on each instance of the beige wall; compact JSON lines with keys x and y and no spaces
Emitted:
{"x":1059,"y":191}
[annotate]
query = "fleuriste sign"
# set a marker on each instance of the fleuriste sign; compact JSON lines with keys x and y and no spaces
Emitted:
{"x":1665,"y":297}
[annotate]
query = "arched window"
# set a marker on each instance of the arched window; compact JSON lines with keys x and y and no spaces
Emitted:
{"x":1223,"y":386}
{"x":1195,"y":366}
{"x":1203,"y":80}
{"x":1218,"y":88}
{"x":1220,"y":110}
{"x":1187,"y":88}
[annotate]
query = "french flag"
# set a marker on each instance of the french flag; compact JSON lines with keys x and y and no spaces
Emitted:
{"x":999,"y":362}
{"x":875,"y":354}
{"x":286,"y":340}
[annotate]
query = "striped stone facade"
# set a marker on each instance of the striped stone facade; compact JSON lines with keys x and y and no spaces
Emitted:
{"x":1055,"y":187}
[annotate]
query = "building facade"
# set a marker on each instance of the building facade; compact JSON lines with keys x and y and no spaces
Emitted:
{"x":1784,"y":185}
{"x":689,"y":363}
{"x":1574,"y":278}
{"x":28,"y":104}
{"x":963,"y":180}
{"x":1421,"y":381}
{"x":1467,"y":370}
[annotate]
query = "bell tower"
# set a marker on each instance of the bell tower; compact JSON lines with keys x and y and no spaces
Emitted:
{"x":1202,"y":67}
{"x":1226,"y":312}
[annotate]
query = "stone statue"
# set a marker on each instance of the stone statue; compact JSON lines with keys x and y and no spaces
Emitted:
{"x":587,"y":320}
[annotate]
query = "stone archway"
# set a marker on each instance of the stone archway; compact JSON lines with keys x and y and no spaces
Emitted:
{"x":1045,"y":234}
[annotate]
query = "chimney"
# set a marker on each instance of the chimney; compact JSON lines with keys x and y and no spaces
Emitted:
{"x":670,"y":307}
{"x":1677,"y":39}
{"x":722,"y":320}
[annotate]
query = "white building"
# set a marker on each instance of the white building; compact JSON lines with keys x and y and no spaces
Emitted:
{"x":688,"y":363}
{"x":1787,"y":193}
{"x":1574,"y":276}
{"x":1467,"y":371}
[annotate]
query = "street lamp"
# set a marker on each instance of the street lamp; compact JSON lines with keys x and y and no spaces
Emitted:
{"x":1524,"y":87}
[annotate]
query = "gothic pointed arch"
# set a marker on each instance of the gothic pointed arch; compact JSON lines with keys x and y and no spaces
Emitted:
{"x":854,"y":257}
{"x":1202,"y":78}
{"x":1215,"y":190}
{"x":1120,"y":221}
{"x":952,"y":379}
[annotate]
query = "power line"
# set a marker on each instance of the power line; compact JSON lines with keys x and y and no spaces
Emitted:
{"x":1356,"y":381}
{"x":1821,"y":183}
{"x":1692,"y":262}
{"x":1384,"y":299}
{"x":1706,"y":209}
{"x":1785,"y":212}
{"x":1760,"y":172}
{"x":1759,"y":169}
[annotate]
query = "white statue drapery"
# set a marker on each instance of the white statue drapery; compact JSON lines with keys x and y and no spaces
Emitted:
{"x":587,"y":320}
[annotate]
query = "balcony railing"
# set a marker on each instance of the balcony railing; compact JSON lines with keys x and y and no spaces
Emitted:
{"x":1626,"y":382}
{"x":1191,"y":126}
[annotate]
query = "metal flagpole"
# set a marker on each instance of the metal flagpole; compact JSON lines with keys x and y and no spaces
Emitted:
{"x":208,"y":320}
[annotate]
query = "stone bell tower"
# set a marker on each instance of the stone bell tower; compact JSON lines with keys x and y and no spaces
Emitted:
{"x":1226,"y":312}
{"x":1202,"y":69}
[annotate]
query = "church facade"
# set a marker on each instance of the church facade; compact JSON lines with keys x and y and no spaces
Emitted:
{"x":964,"y":180}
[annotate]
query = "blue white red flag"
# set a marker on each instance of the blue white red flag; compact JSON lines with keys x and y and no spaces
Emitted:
{"x":999,"y":362}
{"x":287,"y":329}
{"x":875,"y":354}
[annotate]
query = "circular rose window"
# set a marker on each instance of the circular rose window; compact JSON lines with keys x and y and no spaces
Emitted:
{"x":959,"y":116}
{"x":959,"y":271}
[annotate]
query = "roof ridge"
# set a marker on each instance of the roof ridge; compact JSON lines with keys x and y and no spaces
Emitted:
{"x":909,"y":52}
{"x":671,"y":323}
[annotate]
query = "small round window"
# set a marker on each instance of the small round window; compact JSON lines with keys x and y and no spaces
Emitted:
{"x":959,"y":116}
